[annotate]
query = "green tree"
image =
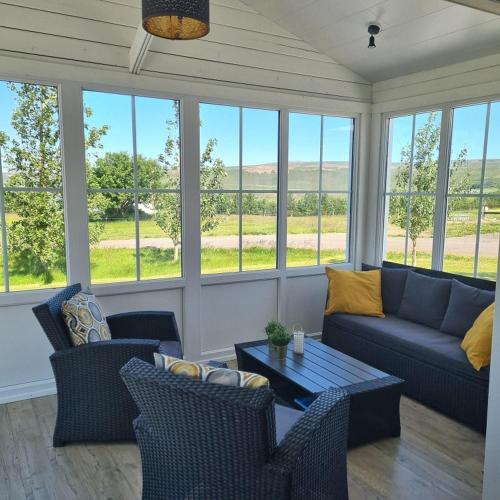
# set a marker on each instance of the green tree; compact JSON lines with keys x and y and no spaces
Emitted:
{"x":167,"y":206}
{"x":421,"y":167}
{"x":33,"y":159}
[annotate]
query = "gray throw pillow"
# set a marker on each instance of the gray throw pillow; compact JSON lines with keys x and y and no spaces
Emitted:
{"x":425,"y":299}
{"x":393,"y":286}
{"x":466,"y":304}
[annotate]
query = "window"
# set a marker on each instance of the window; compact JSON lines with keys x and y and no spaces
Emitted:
{"x":412,"y":172}
{"x":319,"y":189}
{"x":32,"y":245}
{"x":238,"y":188}
{"x":134,"y":192}
{"x":473,"y":193}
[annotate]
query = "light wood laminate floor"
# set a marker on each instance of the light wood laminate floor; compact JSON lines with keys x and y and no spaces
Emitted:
{"x":435,"y":458}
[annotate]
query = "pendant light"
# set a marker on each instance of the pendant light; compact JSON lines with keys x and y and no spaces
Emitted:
{"x":176,"y":19}
{"x":373,"y":29}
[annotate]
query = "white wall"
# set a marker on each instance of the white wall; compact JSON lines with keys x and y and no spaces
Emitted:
{"x":245,"y":60}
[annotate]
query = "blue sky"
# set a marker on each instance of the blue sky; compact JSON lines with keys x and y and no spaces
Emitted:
{"x":260,"y":129}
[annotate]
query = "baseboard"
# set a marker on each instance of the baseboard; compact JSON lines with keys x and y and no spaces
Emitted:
{"x":29,"y":390}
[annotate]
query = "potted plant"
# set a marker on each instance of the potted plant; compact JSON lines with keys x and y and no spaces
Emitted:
{"x":279,"y":338}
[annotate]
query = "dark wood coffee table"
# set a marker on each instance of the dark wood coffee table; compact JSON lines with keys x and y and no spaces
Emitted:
{"x":375,"y":395}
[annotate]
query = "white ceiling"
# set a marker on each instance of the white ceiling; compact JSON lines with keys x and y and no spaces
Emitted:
{"x":416,"y":34}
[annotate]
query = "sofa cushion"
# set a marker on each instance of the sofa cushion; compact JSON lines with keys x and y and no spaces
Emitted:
{"x":420,"y":342}
{"x":477,"y":341}
{"x":285,"y":420}
{"x":466,"y":304}
{"x":425,"y":299}
{"x":393,"y":286}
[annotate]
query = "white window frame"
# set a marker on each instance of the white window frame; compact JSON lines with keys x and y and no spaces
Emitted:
{"x":439,"y":236}
{"x":3,"y":190}
{"x":351,"y":198}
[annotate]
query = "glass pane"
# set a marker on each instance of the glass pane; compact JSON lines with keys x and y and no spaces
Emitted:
{"x":467,"y":149}
{"x":425,"y":152}
{"x":492,"y":171}
{"x":337,"y":150}
{"x":158,"y":146}
{"x":29,"y":125}
{"x":260,"y":149}
{"x":304,"y":152}
{"x":36,"y":243}
{"x":160,"y":235}
{"x":489,"y":238}
{"x":302,"y":241}
{"x":259,"y":231}
{"x":461,"y":230}
{"x":399,"y":154}
{"x":395,"y":242}
{"x":421,"y":231}
{"x":334,"y":227}
{"x":108,"y":140}
{"x":220,"y":229}
{"x":112,"y":237}
{"x":220,"y":146}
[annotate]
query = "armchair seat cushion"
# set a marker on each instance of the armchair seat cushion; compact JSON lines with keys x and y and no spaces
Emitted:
{"x":170,"y":348}
{"x":285,"y":420}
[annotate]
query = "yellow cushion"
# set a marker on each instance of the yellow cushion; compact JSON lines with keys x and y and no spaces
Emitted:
{"x":353,"y":292}
{"x":477,"y":341}
{"x":198,"y":371}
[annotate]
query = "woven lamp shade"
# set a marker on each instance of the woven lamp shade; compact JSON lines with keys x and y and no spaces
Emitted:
{"x":176,"y":19}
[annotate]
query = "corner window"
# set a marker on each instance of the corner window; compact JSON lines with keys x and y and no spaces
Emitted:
{"x":319,"y":189}
{"x":32,"y":242}
{"x":134,"y":187}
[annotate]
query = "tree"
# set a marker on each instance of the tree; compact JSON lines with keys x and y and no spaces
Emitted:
{"x":33,"y":159}
{"x":167,"y":206}
{"x":422,"y":166}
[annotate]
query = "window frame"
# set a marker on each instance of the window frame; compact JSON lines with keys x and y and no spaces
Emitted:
{"x":352,"y":192}
{"x":444,"y":159}
{"x":240,"y":192}
{"x":61,"y":191}
{"x":136,"y":191}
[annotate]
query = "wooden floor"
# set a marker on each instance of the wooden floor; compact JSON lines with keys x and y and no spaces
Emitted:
{"x":435,"y":458}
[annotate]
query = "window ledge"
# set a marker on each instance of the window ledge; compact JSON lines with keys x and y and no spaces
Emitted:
{"x":295,"y":272}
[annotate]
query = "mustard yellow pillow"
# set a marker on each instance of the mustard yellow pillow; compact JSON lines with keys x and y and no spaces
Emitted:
{"x":477,"y":341}
{"x":353,"y":292}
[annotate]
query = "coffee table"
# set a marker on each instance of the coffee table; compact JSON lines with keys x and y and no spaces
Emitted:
{"x":299,"y":379}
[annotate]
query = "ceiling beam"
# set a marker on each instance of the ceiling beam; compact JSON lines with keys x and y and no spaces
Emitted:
{"x":139,"y":50}
{"x":492,"y":6}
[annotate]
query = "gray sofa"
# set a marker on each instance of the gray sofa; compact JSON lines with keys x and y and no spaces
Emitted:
{"x":419,"y":339}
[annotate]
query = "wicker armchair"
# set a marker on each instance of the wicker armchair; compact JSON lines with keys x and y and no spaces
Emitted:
{"x":93,"y":402}
{"x":202,"y":441}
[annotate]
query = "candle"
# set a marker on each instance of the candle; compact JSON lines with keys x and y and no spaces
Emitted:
{"x":298,"y":342}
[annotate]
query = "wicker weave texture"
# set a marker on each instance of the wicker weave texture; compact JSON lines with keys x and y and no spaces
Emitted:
{"x":209,"y":441}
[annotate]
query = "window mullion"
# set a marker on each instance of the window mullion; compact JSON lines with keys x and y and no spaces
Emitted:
{"x":240,"y":196}
{"x":74,"y":183}
{"x":409,"y":194}
{"x":136,"y":194}
{"x":441,"y":203}
{"x":3,"y":223}
{"x":319,"y":187}
{"x":481,"y":189}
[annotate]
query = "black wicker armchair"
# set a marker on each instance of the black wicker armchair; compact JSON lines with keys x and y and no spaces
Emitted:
{"x":93,"y":402}
{"x":202,"y":441}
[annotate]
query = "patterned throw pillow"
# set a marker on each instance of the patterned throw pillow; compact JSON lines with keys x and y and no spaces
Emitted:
{"x":84,"y":317}
{"x":197,"y":371}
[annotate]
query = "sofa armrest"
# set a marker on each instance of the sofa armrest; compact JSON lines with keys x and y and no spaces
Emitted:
{"x":313,"y":453}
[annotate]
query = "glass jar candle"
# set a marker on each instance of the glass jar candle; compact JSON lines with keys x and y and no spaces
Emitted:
{"x":298,"y":339}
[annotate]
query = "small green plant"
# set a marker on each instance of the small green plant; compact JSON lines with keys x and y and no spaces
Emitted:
{"x":278,"y":333}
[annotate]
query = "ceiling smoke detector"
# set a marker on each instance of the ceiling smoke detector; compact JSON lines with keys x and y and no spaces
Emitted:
{"x":373,"y":29}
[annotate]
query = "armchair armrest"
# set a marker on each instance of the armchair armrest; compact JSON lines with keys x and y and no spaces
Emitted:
{"x":313,"y":452}
{"x":102,"y":358}
{"x":159,"y":325}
